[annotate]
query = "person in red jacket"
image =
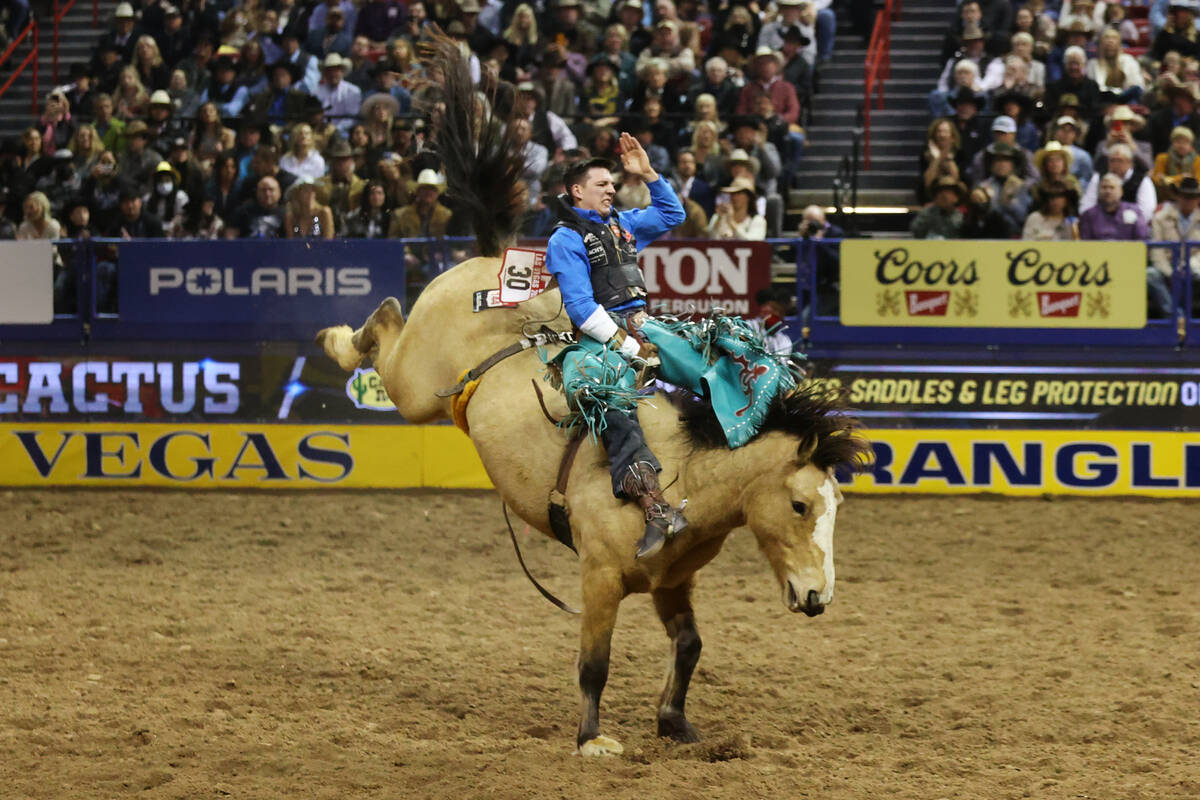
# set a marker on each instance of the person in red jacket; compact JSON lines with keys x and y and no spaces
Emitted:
{"x":767,"y":82}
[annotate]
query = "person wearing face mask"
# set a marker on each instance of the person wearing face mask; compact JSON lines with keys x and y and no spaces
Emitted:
{"x":166,"y":200}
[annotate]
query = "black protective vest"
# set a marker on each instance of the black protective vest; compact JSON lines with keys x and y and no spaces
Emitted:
{"x":616,"y":277}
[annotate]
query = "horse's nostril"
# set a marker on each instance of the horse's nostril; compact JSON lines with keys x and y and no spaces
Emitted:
{"x":812,"y":604}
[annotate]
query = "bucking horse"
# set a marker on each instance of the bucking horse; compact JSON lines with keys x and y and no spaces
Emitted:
{"x":782,"y":484}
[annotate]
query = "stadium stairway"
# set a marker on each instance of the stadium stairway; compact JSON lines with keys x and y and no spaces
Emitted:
{"x":897,"y":130}
{"x":76,"y":38}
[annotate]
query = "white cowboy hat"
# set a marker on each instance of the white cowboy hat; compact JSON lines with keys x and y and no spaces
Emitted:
{"x":429,"y":177}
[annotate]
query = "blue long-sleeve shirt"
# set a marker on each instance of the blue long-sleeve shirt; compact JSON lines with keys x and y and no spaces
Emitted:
{"x":567,"y":260}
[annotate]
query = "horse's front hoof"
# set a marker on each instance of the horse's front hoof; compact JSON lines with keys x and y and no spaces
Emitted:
{"x":601,"y":746}
{"x":677,"y":728}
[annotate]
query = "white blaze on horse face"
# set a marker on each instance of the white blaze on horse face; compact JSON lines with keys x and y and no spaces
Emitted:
{"x":823,"y":533}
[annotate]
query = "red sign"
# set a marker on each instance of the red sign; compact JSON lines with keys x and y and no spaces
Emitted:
{"x":1059,"y":304}
{"x":927,"y":304}
{"x":686,"y":277}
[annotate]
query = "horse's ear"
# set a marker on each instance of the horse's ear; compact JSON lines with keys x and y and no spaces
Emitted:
{"x":808,"y":445}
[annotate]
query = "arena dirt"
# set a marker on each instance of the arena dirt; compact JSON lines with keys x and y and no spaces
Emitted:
{"x":172,"y":645}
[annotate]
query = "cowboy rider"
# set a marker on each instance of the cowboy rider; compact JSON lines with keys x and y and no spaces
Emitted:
{"x":593,"y":254}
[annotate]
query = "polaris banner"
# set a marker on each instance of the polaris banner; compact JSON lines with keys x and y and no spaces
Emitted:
{"x":313,"y":283}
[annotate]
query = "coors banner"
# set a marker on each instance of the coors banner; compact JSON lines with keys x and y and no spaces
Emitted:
{"x":994,"y":284}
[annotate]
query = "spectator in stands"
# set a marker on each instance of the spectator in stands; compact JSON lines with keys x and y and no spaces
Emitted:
{"x":1066,"y":130}
{"x":736,"y":216}
{"x":788,"y":16}
{"x":107,"y":65}
{"x":766,"y":67}
{"x":210,"y":136}
{"x":30,"y":165}
{"x":166,"y":200}
{"x":130,"y":96}
{"x":983,"y":220}
{"x":1115,"y":71}
{"x":55,"y":124}
{"x":1136,"y":186}
{"x":1053,"y":165}
{"x":131,"y":221}
{"x":386,"y":78}
{"x":265,"y":163}
{"x":1181,"y":112}
{"x":1054,"y":219}
{"x":85,"y":148}
{"x":717,"y":82}
{"x":77,"y":226}
{"x":1121,"y":123}
{"x":706,"y":146}
{"x":536,"y":157}
{"x":341,"y":189}
{"x":629,"y":14}
{"x":601,"y":101}
{"x":425,"y":216}
{"x":966,"y":76}
{"x":632,"y":192}
{"x":377,"y":19}
{"x":302,"y":160}
{"x":122,"y":37}
{"x":38,"y":222}
{"x":1177,"y":221}
{"x":261,"y":217}
{"x":1178,"y":162}
{"x":1074,"y":82}
{"x":1112,"y":218}
{"x":139,"y":160}
{"x":749,"y":135}
{"x":1007,"y":191}
{"x":372,"y":216}
{"x":1082,"y":10}
{"x":159,"y":122}
{"x":305,"y":218}
{"x":524,"y":45}
{"x":340,"y":100}
{"x":738,"y":37}
{"x":102,"y":188}
{"x":280,"y":103}
{"x":1004,"y":131}
{"x":937,"y":159}
{"x":1179,"y":33}
{"x":796,"y":70}
{"x":79,"y":90}
{"x":175,"y":42}
{"x":817,"y":229}
{"x":223,"y":186}
{"x":252,"y":68}
{"x":1023,"y":47}
{"x":332,"y":37}
{"x":695,"y":222}
{"x":229,"y":96}
{"x":548,"y":128}
{"x":1018,"y":106}
{"x":689,"y":185}
{"x":940,"y":219}
{"x":199,"y":221}
{"x":677,"y":61}
{"x":196,"y":66}
{"x":148,"y":63}
{"x":973,"y":41}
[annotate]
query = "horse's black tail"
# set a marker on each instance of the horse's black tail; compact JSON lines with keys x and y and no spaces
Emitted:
{"x":480,"y":154}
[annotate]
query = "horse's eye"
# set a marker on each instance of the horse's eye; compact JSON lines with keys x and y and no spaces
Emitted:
{"x":799,"y":507}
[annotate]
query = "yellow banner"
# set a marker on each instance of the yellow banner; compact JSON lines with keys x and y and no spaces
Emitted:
{"x":1153,"y":464}
{"x":993,"y":284}
{"x":216,"y":456}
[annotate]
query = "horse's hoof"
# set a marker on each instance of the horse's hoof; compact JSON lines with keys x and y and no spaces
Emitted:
{"x":678,"y":729}
{"x":601,"y":746}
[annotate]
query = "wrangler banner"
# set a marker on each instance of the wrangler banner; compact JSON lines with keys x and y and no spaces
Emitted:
{"x":993,"y":284}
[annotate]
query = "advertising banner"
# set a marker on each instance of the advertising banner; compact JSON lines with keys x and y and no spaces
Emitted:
{"x":27,"y":274}
{"x":231,"y":456}
{"x":1152,"y":464}
{"x":1019,"y":395}
{"x":685,"y":277}
{"x":314,"y":283}
{"x":985,"y":284}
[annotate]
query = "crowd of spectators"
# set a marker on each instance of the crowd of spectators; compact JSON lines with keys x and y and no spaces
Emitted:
{"x":1067,"y":121}
{"x":280,"y":118}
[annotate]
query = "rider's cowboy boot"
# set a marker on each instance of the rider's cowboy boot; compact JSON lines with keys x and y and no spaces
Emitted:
{"x":662,"y":520}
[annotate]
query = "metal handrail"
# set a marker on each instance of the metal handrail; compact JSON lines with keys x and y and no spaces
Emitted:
{"x":59,"y":13}
{"x":33,"y":56}
{"x":877,"y":68}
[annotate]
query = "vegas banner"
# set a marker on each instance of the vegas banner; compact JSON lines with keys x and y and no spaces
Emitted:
{"x":993,"y":284}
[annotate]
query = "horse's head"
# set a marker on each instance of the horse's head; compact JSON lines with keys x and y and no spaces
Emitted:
{"x":792,"y":511}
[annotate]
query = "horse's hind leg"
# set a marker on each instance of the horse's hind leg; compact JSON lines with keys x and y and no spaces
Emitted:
{"x":674,"y":608}
{"x":601,"y":596}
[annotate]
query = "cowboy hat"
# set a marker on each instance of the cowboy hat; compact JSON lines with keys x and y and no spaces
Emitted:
{"x":1053,"y":148}
{"x":1125,"y":114}
{"x":966,"y":94}
{"x":1013,"y":96}
{"x":951,"y":183}
{"x":333,"y":61}
{"x":137,"y":128}
{"x":1188,"y":186}
{"x":971,"y":32}
{"x":1002,"y":150}
{"x":769,"y":52}
{"x":165,"y":166}
{"x":1186,"y":89}
{"x":429,"y":177}
{"x":740,"y":156}
{"x":292,"y":69}
{"x":124,"y":11}
{"x":379,"y":98}
{"x":340,"y":149}
{"x":741,"y":184}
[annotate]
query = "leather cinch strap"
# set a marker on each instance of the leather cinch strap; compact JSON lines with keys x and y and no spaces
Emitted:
{"x":545,"y":337}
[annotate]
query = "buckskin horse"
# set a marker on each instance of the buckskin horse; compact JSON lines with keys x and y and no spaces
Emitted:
{"x":781,"y":484}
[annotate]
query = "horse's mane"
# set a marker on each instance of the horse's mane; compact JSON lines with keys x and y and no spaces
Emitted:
{"x":812,"y":410}
{"x":480,"y":154}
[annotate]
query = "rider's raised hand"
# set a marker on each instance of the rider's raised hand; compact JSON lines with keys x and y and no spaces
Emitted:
{"x":634,"y":159}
